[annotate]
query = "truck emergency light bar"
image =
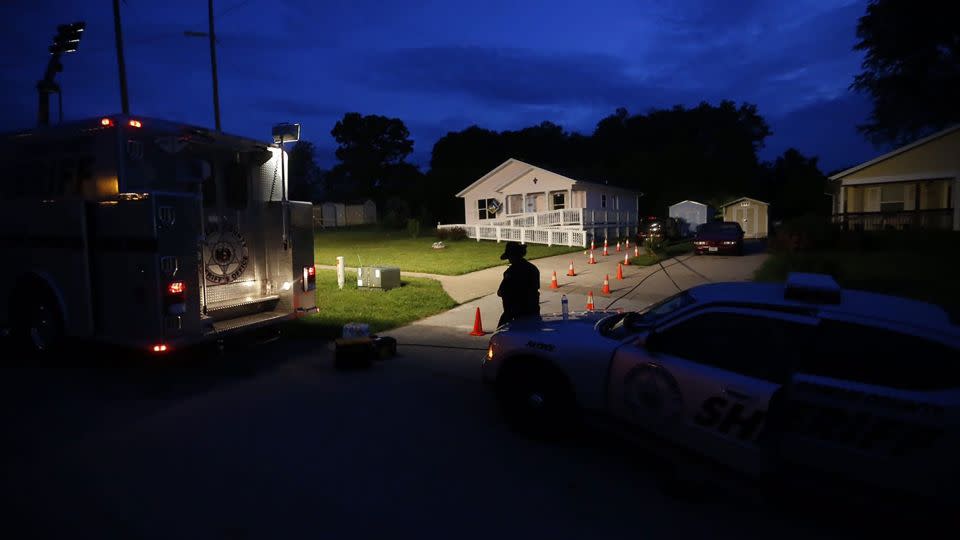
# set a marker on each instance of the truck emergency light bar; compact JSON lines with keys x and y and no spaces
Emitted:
{"x":108,"y":122}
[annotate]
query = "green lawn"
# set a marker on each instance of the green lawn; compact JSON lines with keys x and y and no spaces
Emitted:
{"x":415,"y":299}
{"x":929,"y":275}
{"x":671,"y":250}
{"x":395,"y":248}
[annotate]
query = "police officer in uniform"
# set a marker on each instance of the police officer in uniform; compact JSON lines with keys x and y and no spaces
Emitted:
{"x":520,"y":288}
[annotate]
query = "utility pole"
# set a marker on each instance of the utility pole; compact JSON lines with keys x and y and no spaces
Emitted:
{"x":213,"y":66}
{"x":124,"y":102}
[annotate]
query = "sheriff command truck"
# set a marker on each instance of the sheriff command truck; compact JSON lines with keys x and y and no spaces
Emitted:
{"x":147,"y":233}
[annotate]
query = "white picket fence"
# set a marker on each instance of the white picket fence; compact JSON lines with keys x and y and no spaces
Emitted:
{"x":572,"y":217}
{"x":533,"y":235}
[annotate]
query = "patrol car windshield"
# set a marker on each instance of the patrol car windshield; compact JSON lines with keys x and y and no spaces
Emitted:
{"x":635,"y":321}
{"x":660,"y":310}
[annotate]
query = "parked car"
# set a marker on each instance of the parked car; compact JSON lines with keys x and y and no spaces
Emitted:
{"x":758,"y":377}
{"x":720,"y":237}
{"x":656,"y":228}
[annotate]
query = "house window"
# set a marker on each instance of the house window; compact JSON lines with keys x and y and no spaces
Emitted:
{"x":935,"y":195}
{"x":558,"y":200}
{"x":603,"y":201}
{"x":616,"y":202}
{"x":514,"y":204}
{"x":487,"y":208}
{"x":891,"y":198}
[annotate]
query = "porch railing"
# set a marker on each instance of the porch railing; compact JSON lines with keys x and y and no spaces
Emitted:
{"x":880,"y":221}
{"x":551,"y":236}
{"x":569,"y":217}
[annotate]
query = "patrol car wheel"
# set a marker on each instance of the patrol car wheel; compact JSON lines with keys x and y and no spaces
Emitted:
{"x":536,"y":400}
{"x":37,"y":322}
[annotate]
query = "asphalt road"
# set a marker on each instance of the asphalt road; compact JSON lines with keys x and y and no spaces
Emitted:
{"x":269,"y":441}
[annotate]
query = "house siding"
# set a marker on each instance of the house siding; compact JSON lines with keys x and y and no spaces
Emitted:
{"x":939,"y":158}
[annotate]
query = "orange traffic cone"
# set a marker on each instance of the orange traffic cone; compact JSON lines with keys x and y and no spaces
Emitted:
{"x":606,"y":285}
{"x":636,"y":251}
{"x":592,"y":247}
{"x":571,"y":272}
{"x":553,"y":282}
{"x":619,"y":271}
{"x":626,"y":259}
{"x":477,"y":325}
{"x":618,"y":246}
{"x":628,"y":243}
{"x":605,"y":251}
{"x":590,"y":301}
{"x":592,"y":260}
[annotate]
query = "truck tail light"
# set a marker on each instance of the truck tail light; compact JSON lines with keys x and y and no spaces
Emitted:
{"x":175,"y":299}
{"x":160,"y":348}
{"x":309,"y":278}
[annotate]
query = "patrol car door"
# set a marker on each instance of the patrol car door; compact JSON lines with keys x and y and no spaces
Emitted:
{"x":877,"y":406}
{"x":715,"y":372}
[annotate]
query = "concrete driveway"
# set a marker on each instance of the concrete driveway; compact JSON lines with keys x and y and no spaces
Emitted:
{"x":640,"y":287}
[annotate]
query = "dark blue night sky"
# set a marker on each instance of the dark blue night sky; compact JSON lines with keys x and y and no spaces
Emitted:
{"x":444,"y":65}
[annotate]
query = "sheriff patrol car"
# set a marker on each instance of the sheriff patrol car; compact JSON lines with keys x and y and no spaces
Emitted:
{"x":755,"y":376}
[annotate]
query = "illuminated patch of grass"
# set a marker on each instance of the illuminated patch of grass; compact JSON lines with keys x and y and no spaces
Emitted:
{"x":415,"y":299}
{"x":366,"y":247}
{"x":666,"y":252}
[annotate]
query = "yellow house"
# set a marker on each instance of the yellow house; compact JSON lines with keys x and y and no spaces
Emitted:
{"x":915,"y":186}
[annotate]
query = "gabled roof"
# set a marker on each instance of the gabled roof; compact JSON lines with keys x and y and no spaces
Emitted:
{"x":688,"y":200}
{"x":896,"y":152}
{"x":526,"y":168}
{"x":496,"y":170}
{"x":724,"y":205}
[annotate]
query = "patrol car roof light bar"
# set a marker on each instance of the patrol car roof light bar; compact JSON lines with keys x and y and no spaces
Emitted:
{"x":812,"y":288}
{"x":66,"y":41}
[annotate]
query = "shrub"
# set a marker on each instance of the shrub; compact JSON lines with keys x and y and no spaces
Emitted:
{"x":805,"y":233}
{"x":413,"y":227}
{"x":453,"y":234}
{"x":654,"y":245}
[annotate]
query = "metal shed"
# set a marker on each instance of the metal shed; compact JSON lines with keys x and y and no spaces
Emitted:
{"x":691,"y":215}
{"x":751,"y":214}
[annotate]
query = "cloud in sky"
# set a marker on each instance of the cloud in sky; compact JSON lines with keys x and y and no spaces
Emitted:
{"x":500,"y":64}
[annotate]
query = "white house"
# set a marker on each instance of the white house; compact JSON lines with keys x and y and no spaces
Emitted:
{"x":916,"y":186}
{"x":523,"y":202}
{"x":691,"y":214}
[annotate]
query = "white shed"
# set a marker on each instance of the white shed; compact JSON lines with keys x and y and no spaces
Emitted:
{"x":333,"y":214}
{"x":691,"y":214}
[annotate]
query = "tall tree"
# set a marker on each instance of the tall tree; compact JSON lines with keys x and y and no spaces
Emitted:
{"x":911,"y":70}
{"x":371,"y":150}
{"x":795,"y":186}
{"x":305,"y":175}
